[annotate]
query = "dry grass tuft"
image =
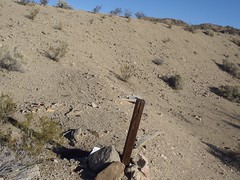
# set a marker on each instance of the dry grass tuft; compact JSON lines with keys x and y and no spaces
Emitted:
{"x":176,"y":81}
{"x":127,"y":71}
{"x":32,"y":14}
{"x":7,"y":107}
{"x":231,"y":68}
{"x":58,"y":51}
{"x":231,"y":93}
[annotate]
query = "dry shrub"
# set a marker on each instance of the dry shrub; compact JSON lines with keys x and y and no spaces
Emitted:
{"x":58,"y":51}
{"x":58,"y":26}
{"x":158,"y":61}
{"x":127,"y":71}
{"x":116,"y":11}
{"x":97,"y":9}
{"x":127,"y":13}
{"x":140,"y":15}
{"x":11,"y":61}
{"x":236,"y":41}
{"x":231,"y":68}
{"x":26,"y":2}
{"x":32,"y":14}
{"x":209,"y":32}
{"x":166,"y":40}
{"x":191,"y":29}
{"x":44,"y":2}
{"x":7,"y":107}
{"x":63,"y":4}
{"x":231,"y":93}
{"x":176,"y":81}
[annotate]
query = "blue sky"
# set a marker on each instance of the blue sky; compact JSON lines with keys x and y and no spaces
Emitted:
{"x":221,"y":12}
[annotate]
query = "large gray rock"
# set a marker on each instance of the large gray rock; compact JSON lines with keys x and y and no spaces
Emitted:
{"x":100,"y":159}
{"x":114,"y":171}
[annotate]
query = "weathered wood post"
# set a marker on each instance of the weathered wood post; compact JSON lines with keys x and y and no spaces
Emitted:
{"x":132,"y":132}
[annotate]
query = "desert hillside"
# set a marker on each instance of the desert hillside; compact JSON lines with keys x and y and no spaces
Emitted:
{"x":199,"y":131}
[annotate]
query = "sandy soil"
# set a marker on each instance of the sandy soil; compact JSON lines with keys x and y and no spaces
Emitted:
{"x":193,"y":122}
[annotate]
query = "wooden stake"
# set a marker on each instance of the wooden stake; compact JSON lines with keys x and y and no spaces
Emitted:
{"x":132,"y":132}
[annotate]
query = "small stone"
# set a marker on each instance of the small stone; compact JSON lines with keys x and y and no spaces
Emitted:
{"x":94,"y":105}
{"x":114,"y":171}
{"x":100,"y":159}
{"x":142,"y":162}
{"x":77,"y":134}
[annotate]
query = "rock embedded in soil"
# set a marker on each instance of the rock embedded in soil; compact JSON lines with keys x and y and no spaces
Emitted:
{"x":100,"y":159}
{"x":114,"y":171}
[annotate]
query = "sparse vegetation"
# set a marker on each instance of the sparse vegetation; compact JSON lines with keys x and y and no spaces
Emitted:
{"x":231,"y":93}
{"x":158,"y":61}
{"x":97,"y":9}
{"x":63,"y":4}
{"x":166,"y":40}
{"x":7,"y":107}
{"x":32,"y":14}
{"x":176,"y":81}
{"x":26,"y":2}
{"x":58,"y":26}
{"x":127,"y":71}
{"x":44,"y":2}
{"x":58,"y":51}
{"x":209,"y":32}
{"x":236,"y":41}
{"x":191,"y":28}
{"x":11,"y":61}
{"x":140,"y":15}
{"x":116,"y":12}
{"x":127,"y":13}
{"x":231,"y":68}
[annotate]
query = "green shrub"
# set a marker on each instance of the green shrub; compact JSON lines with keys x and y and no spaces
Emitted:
{"x":32,"y":14}
{"x":231,"y":93}
{"x":117,"y":11}
{"x":140,"y":15}
{"x":231,"y":68}
{"x":58,"y":51}
{"x":176,"y":81}
{"x":7,"y":107}
{"x":63,"y":4}
{"x":11,"y":61}
{"x":127,"y":71}
{"x":97,"y":9}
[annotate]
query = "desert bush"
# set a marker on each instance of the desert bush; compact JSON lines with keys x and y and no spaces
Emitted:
{"x":44,"y":2}
{"x":97,"y":9}
{"x":127,"y":13}
{"x":231,"y":93}
{"x":191,"y":29}
{"x":32,"y":14}
{"x":176,"y":81}
{"x":127,"y":71}
{"x":63,"y":4}
{"x":236,"y":41}
{"x":116,"y":12}
{"x":33,"y":142}
{"x":140,"y":15}
{"x":7,"y":107}
{"x":231,"y":68}
{"x":57,"y":52}
{"x":11,"y":61}
{"x":158,"y":61}
{"x":58,"y":26}
{"x":26,"y":2}
{"x":209,"y":33}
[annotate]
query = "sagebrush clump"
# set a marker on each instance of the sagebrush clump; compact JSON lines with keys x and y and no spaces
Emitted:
{"x":44,"y":2}
{"x":140,"y":15}
{"x":117,"y":11}
{"x":175,"y":81}
{"x":32,"y":14}
{"x":58,"y":51}
{"x":231,"y":68}
{"x":7,"y":107}
{"x":97,"y":9}
{"x":11,"y":61}
{"x":63,"y":4}
{"x":127,"y":71}
{"x":231,"y":93}
{"x":191,"y":28}
{"x":127,"y":13}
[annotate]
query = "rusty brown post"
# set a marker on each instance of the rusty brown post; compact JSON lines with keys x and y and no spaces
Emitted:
{"x":132,"y":132}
